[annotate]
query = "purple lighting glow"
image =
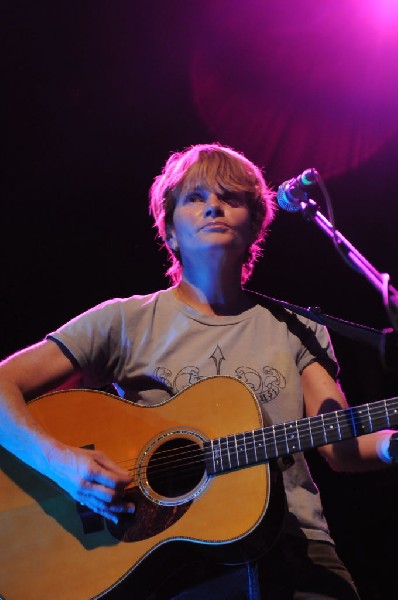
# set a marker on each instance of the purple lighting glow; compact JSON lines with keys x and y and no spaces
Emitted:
{"x":383,"y":12}
{"x":300,"y":83}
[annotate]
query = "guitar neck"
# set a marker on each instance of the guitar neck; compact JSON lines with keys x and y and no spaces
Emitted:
{"x":249,"y":448}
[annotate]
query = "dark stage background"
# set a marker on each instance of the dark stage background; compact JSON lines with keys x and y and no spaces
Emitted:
{"x":95,"y":97}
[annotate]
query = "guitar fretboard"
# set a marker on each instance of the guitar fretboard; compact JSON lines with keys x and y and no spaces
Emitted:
{"x":241,"y":450}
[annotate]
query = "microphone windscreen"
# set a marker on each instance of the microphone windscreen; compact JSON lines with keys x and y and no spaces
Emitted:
{"x":284,"y":202}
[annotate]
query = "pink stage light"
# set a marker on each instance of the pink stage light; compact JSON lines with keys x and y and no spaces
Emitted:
{"x":383,"y":12}
{"x":300,"y":83}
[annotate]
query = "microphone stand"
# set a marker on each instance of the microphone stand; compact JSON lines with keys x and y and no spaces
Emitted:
{"x":386,"y":340}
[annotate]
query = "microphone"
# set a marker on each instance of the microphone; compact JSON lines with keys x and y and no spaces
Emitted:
{"x":292,"y":192}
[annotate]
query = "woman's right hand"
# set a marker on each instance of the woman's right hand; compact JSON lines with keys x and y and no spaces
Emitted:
{"x":91,"y":478}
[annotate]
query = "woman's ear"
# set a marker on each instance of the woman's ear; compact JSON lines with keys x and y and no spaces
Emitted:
{"x":173,"y":244}
{"x":171,"y":239}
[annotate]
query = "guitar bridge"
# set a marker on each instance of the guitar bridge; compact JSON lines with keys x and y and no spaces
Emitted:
{"x":91,"y":521}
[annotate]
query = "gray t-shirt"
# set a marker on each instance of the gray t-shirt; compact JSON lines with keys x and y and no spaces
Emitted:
{"x":154,"y":346}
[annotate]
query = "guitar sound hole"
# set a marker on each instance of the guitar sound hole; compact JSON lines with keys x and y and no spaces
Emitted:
{"x":176,"y":467}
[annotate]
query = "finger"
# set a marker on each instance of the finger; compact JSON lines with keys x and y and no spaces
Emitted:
{"x":128,"y":507}
{"x":103,"y":511}
{"x":96,"y":473}
{"x":108,"y":511}
{"x":104,"y":497}
{"x":94,"y":492}
{"x":110,"y":469}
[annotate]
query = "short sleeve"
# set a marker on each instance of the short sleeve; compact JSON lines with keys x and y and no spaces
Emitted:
{"x":316,"y":346}
{"x":93,"y":341}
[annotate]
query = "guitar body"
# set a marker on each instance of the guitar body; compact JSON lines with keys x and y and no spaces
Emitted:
{"x":50,"y":547}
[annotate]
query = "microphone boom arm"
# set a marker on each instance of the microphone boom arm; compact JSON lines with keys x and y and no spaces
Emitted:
{"x":379,"y":280}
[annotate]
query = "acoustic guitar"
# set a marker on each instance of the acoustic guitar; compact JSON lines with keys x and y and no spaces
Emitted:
{"x":203,"y":473}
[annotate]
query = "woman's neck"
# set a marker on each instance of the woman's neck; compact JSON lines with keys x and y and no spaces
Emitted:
{"x":213,"y":300}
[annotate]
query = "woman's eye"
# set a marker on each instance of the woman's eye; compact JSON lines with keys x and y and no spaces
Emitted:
{"x":234,"y":199}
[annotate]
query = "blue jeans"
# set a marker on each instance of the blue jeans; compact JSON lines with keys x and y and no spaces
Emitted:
{"x":295,"y":569}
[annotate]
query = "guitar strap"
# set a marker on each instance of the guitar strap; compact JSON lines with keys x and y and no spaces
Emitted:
{"x":385,"y":341}
{"x":287,"y":313}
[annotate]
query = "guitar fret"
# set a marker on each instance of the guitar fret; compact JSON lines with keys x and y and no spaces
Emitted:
{"x":298,"y":435}
{"x":317,"y":431}
{"x":387,"y":415}
{"x":363,"y":423}
{"x":292,"y":437}
{"x":213,"y":462}
{"x":242,"y":448}
{"x":346,"y":424}
{"x":338,"y":426}
{"x":280,"y":441}
{"x":261,"y":445}
{"x":260,"y":451}
{"x":310,"y":429}
{"x":253,"y":445}
{"x":361,"y":426}
{"x":265,"y":446}
{"x":285,"y":438}
{"x":236,"y":451}
{"x":369,"y":419}
{"x":215,"y":456}
{"x":304,"y":435}
{"x":352,"y":420}
{"x":271,"y":447}
{"x":332,"y":429}
{"x":232,"y":454}
{"x":225,"y":458}
{"x":323,"y":428}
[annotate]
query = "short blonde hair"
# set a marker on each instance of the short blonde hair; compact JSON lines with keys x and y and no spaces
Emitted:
{"x":221,"y":169}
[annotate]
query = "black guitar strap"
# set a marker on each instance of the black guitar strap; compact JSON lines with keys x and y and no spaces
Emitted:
{"x":287,"y":313}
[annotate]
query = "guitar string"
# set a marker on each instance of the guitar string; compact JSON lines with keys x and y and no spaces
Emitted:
{"x":276,"y":437}
{"x":165,"y":472}
{"x":266,"y":435}
{"x":176,"y":472}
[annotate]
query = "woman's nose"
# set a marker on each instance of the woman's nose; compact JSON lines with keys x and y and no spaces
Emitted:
{"x":214,"y":206}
